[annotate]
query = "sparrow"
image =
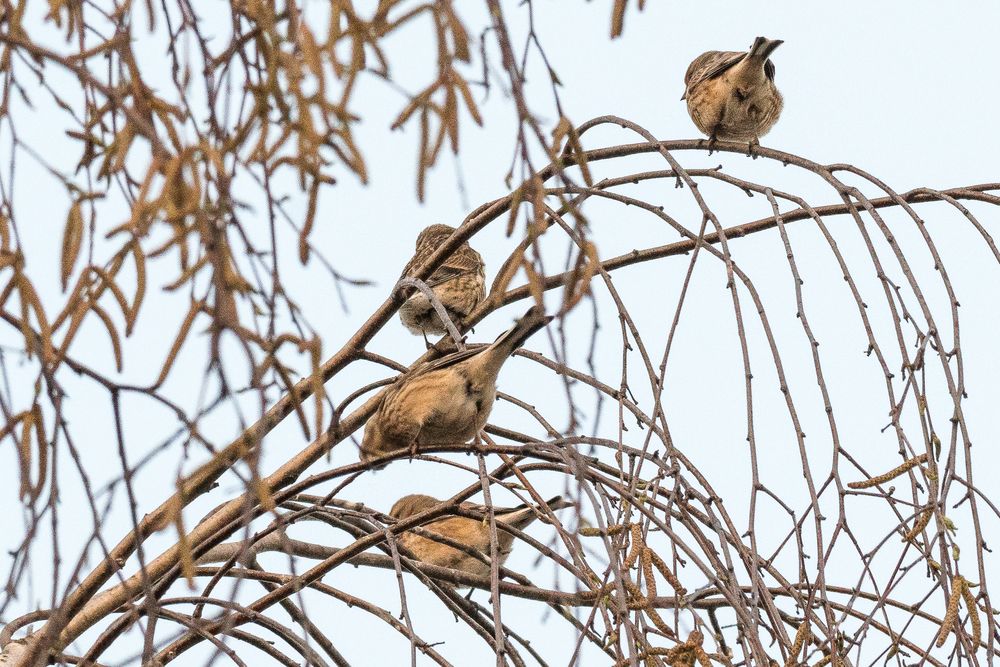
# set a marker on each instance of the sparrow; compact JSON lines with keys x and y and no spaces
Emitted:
{"x":446,"y":401}
{"x":731,"y":95}
{"x":474,"y":533}
{"x":459,"y":283}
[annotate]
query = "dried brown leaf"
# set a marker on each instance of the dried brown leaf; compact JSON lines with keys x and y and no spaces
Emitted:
{"x":182,"y":333}
{"x":891,"y":475}
{"x":72,"y":242}
{"x":310,"y":50}
{"x":184,"y":553}
{"x":950,"y":620}
{"x":618,"y":18}
{"x":24,"y":454}
{"x":109,"y":325}
{"x":307,"y":225}
{"x":977,"y":625}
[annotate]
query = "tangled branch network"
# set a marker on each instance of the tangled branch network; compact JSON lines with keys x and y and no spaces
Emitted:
{"x":701,"y":525}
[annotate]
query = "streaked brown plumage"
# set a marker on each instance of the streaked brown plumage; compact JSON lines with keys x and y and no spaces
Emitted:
{"x":459,"y":283}
{"x":445,"y":401}
{"x":474,"y":533}
{"x":731,"y":95}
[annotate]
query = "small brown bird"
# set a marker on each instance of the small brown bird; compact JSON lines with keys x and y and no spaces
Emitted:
{"x":459,"y":283}
{"x":473,"y":533}
{"x":445,"y":401}
{"x":731,"y":95}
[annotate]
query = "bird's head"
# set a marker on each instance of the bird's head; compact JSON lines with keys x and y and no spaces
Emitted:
{"x":435,"y":233}
{"x":415,"y":503}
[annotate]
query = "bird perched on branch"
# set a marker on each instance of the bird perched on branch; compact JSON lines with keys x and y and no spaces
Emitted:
{"x":473,"y":533}
{"x":731,"y":95}
{"x":458,"y":283}
{"x":445,"y":401}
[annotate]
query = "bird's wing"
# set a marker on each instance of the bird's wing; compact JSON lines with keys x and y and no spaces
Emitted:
{"x":464,"y":259}
{"x":461,"y":262}
{"x":516,"y":517}
{"x":520,"y":516}
{"x":769,"y":69}
{"x":449,"y":360}
{"x":427,"y":243}
{"x":445,"y":273}
{"x":529,"y":323}
{"x":708,"y":66}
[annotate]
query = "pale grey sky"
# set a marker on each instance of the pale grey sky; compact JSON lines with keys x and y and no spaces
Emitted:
{"x":905,"y":90}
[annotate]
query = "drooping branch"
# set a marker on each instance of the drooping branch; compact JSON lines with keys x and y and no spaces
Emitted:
{"x":705,"y":535}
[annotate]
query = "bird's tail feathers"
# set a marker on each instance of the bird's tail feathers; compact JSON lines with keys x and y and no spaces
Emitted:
{"x":522,"y":515}
{"x":763,"y":47}
{"x":523,"y":329}
{"x":558,"y":502}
